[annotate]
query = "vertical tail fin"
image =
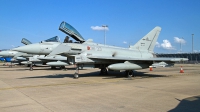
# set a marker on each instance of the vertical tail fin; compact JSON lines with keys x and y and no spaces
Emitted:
{"x":148,"y":42}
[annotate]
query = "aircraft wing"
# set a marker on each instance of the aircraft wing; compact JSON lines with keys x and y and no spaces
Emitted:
{"x":138,"y":59}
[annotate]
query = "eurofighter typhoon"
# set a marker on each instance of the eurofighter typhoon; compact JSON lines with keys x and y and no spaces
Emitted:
{"x":93,"y":55}
{"x":87,"y":54}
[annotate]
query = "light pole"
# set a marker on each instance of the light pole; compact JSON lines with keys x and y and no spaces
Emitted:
{"x":104,"y":33}
{"x":192,"y":42}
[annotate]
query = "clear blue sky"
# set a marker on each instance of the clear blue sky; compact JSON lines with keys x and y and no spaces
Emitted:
{"x":128,"y":21}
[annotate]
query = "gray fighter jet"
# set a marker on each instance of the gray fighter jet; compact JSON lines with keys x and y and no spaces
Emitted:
{"x":40,"y":50}
{"x":15,"y":55}
{"x":29,"y":58}
{"x":20,"y":56}
{"x":46,"y":47}
{"x":105,"y":57}
{"x":94,"y":55}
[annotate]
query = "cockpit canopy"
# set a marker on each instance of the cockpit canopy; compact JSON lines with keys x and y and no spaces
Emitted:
{"x":71,"y":31}
{"x":53,"y":39}
{"x":25,"y":41}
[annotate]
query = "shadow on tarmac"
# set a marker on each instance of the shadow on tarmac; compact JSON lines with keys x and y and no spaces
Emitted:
{"x":110,"y":75}
{"x":190,"y":104}
{"x":35,"y":68}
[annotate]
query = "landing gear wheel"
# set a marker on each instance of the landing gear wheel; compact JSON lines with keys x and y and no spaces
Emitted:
{"x":129,"y":73}
{"x":53,"y":67}
{"x":76,"y":76}
{"x":62,"y":67}
{"x":104,"y":71}
{"x":31,"y":67}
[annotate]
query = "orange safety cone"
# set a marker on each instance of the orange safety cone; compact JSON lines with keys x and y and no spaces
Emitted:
{"x":181,"y":70}
{"x":150,"y":68}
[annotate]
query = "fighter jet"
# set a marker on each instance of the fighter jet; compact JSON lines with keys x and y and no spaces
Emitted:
{"x":15,"y":55}
{"x":40,"y":50}
{"x":46,"y":47}
{"x":23,"y":57}
{"x":90,"y":54}
{"x":113,"y":58}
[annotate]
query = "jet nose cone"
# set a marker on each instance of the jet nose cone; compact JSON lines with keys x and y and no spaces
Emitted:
{"x":31,"y":49}
{"x":1,"y":54}
{"x":4,"y":53}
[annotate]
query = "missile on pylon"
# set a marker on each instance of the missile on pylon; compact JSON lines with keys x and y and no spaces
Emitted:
{"x":57,"y":63}
{"x":26,"y":62}
{"x":127,"y":66}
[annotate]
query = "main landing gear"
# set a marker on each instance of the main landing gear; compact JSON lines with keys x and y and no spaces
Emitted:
{"x":129,"y":73}
{"x":104,"y":71}
{"x":62,"y":67}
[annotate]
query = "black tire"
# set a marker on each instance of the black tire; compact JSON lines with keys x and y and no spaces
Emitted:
{"x":129,"y":73}
{"x":53,"y":67}
{"x":104,"y":71}
{"x":62,"y":67}
{"x":76,"y":76}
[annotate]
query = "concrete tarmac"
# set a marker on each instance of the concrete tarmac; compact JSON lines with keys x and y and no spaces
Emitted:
{"x":46,"y":90}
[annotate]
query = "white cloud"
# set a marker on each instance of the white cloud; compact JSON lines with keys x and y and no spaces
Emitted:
{"x":125,"y":42}
{"x":167,"y":45}
{"x":158,"y":44}
{"x":99,"y":28}
{"x":195,"y":51}
{"x":179,"y":40}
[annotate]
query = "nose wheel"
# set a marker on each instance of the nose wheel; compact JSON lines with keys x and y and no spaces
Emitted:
{"x":31,"y":67}
{"x":76,"y":74}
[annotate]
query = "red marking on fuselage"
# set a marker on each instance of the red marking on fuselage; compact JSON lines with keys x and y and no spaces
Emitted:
{"x":88,"y":47}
